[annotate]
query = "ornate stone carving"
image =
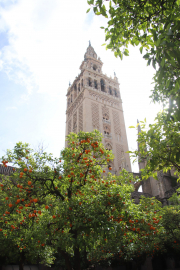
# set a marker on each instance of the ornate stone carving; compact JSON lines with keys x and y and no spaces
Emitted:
{"x":75,"y":122}
{"x":69,"y":126}
{"x":95,"y":115}
{"x":103,"y":99}
{"x":80,"y":115}
{"x":76,"y":103}
{"x":120,"y":156}
{"x":116,"y":121}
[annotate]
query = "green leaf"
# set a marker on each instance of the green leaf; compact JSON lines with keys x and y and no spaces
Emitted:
{"x":131,"y":127}
{"x":88,"y":10}
{"x":149,"y":62}
{"x":90,"y":2}
{"x":141,"y":49}
{"x":178,"y":156}
{"x":154,"y":64}
{"x":146,"y":56}
{"x":126,"y":52}
{"x":163,"y":61}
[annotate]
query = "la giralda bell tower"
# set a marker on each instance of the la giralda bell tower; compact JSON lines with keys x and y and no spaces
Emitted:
{"x":94,"y":102}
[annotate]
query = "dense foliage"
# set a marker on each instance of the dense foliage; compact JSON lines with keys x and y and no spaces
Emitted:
{"x":159,"y":146}
{"x":154,"y":26}
{"x":73,"y":207}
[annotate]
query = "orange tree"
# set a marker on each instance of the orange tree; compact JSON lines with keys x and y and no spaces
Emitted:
{"x":73,"y":206}
{"x":20,"y":231}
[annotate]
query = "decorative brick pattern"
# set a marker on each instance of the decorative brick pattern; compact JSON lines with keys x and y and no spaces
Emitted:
{"x":95,"y":115}
{"x":80,"y":115}
{"x":105,"y":112}
{"x":116,"y":122}
{"x":120,"y":156}
{"x":75,"y":122}
{"x":69,"y":126}
{"x":103,"y":99}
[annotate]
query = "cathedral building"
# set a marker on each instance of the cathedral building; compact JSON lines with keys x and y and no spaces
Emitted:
{"x":94,"y":102}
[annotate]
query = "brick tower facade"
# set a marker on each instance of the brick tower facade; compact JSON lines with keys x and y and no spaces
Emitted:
{"x":94,"y":102}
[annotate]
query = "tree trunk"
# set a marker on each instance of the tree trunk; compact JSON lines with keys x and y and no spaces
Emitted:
{"x":21,"y":261}
{"x":67,"y":260}
{"x":85,"y":258}
{"x":77,"y":259}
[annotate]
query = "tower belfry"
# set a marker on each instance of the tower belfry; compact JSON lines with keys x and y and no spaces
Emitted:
{"x":94,"y":102}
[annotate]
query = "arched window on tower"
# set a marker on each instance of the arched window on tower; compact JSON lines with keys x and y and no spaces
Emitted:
{"x":106,"y":130}
{"x":75,"y":91}
{"x":105,"y":116}
{"x":102,"y":85}
{"x":89,"y":82}
{"x":110,"y":91}
{"x":79,"y":87}
{"x":94,"y":67}
{"x":115,"y":93}
{"x":71,"y":97}
{"x":95,"y":84}
{"x":108,"y":146}
{"x":82,"y":82}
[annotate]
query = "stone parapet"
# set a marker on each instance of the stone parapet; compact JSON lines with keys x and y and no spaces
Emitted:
{"x":6,"y":170}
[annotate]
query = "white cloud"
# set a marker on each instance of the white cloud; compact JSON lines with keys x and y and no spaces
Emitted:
{"x":11,"y":108}
{"x":44,"y":41}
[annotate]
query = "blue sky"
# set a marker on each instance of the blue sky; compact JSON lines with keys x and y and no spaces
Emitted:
{"x":42,"y":44}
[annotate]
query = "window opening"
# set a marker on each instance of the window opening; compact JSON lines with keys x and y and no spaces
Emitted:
{"x":95,"y":84}
{"x":110,"y":91}
{"x":115,"y":92}
{"x":106,"y":130}
{"x":89,"y":82}
{"x":105,"y":116}
{"x":102,"y":85}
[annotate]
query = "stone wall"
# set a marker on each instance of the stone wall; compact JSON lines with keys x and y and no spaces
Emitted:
{"x":6,"y":170}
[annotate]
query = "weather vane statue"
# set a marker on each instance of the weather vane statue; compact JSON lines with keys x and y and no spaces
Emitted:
{"x":89,"y":43}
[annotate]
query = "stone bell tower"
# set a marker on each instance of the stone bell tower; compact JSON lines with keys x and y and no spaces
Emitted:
{"x":94,"y":102}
